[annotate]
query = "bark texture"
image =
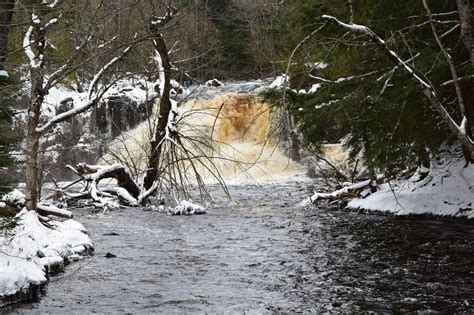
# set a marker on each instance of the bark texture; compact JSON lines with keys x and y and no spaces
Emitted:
{"x":37,"y":42}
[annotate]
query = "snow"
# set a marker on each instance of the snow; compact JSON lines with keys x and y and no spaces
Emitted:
{"x":447,"y":190}
{"x":317,"y":65}
{"x":314,"y":88}
{"x":26,"y":45}
{"x":279,"y":82}
{"x":28,"y":248}
{"x":3,"y":73}
{"x":52,"y":4}
{"x":186,"y":207}
{"x":213,"y":83}
{"x":161,"y":71}
{"x":15,"y":197}
{"x":353,"y":27}
{"x":53,"y":209}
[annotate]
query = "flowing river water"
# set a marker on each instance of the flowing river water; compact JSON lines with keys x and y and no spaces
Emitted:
{"x":262,"y":254}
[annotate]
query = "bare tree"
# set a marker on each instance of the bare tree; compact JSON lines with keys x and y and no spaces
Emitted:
{"x":36,"y":46}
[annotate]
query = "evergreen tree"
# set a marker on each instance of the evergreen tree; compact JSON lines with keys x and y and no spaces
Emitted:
{"x":7,"y":140}
{"x":363,"y":99}
{"x":233,"y":59}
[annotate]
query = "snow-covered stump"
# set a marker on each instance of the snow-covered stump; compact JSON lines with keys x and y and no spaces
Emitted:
{"x":31,"y":252}
{"x":17,"y":200}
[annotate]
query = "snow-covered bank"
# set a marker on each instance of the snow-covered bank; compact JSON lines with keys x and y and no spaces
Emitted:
{"x":30,"y":250}
{"x":447,"y":190}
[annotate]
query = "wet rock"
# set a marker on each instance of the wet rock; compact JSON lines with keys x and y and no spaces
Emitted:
{"x":117,"y":114}
{"x":110,"y":255}
{"x":111,"y":234}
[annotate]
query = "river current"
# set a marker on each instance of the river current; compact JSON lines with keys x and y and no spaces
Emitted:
{"x":260,"y":253}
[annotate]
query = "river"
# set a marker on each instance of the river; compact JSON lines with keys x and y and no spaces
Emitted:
{"x":260,"y":253}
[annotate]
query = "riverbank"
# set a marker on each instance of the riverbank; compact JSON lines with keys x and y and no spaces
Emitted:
{"x":445,"y":190}
{"x":30,"y":252}
{"x":260,"y":253}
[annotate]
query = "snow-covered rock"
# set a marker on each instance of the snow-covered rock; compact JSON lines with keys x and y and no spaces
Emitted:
{"x":279,"y":82}
{"x":15,"y":197}
{"x":186,"y":207}
{"x":3,"y":73}
{"x":28,"y":249}
{"x":213,"y":83}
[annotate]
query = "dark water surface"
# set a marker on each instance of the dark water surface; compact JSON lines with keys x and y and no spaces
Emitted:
{"x":260,"y":254}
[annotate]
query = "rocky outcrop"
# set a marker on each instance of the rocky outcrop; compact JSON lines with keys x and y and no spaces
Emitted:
{"x":117,"y":114}
{"x":82,"y":138}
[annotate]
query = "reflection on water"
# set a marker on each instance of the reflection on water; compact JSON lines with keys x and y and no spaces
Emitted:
{"x":260,"y":254}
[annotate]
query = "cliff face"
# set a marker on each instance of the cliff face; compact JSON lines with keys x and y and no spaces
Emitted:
{"x":117,"y":114}
{"x":82,"y":138}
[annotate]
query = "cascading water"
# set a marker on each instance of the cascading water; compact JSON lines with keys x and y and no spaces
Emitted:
{"x":244,"y":147}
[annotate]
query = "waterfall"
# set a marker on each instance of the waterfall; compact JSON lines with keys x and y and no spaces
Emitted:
{"x":244,"y":147}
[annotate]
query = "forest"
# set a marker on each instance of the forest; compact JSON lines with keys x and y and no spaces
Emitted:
{"x":327,"y":146}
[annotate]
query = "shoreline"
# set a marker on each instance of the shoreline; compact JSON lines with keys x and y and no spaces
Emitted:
{"x":31,"y":253}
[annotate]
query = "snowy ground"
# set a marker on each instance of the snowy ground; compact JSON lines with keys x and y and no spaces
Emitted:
{"x":29,"y":249}
{"x":447,"y":190}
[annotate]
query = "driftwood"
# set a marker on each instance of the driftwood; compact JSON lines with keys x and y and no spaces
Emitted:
{"x":128,"y":192}
{"x":348,"y":192}
{"x":45,"y":210}
{"x":116,"y":171}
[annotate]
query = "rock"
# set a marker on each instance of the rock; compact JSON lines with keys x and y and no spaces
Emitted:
{"x":110,"y":255}
{"x":111,"y":234}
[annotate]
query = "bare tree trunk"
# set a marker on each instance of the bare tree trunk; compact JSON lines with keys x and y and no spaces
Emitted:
{"x":32,"y":143}
{"x":165,"y":107}
{"x":35,"y":38}
{"x":467,"y":28}
{"x":6,"y":13}
{"x":165,"y":104}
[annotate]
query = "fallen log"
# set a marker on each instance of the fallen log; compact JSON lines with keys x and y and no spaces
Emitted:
{"x":349,"y":192}
{"x":46,"y":210}
{"x":116,"y":171}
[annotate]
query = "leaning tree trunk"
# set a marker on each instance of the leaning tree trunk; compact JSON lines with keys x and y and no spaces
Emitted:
{"x":164,"y":67}
{"x":6,"y":13}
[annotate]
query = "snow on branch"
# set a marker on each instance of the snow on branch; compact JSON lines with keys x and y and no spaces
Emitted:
{"x":162,"y":20}
{"x":170,"y":129}
{"x":90,"y":101}
{"x":99,"y":74}
{"x":52,"y":22}
{"x":340,"y":80}
{"x":27,"y":44}
{"x":35,"y":61}
{"x":52,"y":5}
